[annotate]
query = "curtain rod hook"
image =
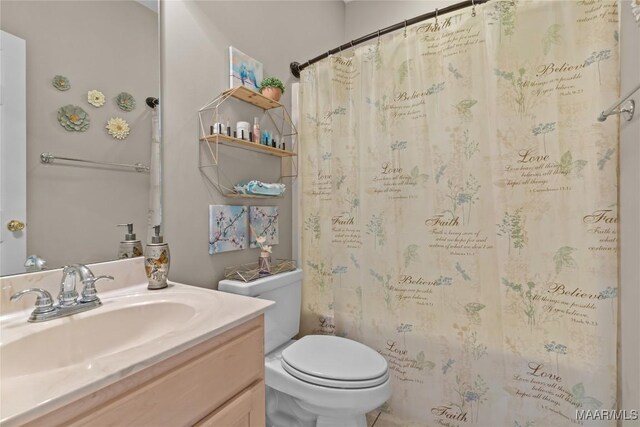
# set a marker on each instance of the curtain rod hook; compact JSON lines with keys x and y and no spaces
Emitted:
{"x":436,"y":16}
{"x":378,"y":36}
{"x":405,"y":28}
{"x":473,"y":8}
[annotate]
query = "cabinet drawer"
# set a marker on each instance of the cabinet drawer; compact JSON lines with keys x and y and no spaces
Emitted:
{"x":244,"y":410}
{"x":188,"y":392}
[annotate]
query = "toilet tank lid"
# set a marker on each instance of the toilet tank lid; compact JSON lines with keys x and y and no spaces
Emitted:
{"x":262,"y":285}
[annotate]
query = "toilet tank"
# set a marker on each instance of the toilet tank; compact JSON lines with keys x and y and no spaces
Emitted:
{"x":282,"y":320}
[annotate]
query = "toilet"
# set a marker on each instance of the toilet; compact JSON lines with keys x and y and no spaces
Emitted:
{"x":318,"y":380}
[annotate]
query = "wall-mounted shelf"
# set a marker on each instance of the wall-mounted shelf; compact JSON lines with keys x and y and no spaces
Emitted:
{"x":279,"y":119}
{"x":254,"y":98}
{"x":244,"y":144}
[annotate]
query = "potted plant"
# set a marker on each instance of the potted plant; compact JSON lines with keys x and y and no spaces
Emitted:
{"x":272,"y":88}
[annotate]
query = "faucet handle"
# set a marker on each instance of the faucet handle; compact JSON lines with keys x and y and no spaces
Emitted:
{"x":89,"y":292}
{"x":44,"y":302}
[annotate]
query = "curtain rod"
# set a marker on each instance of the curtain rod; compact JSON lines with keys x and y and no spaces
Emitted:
{"x":296,"y":67}
{"x":152,"y":101}
{"x":627,"y":110}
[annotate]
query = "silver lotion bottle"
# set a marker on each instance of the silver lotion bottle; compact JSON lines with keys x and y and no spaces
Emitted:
{"x":157,"y":260}
{"x":130,"y":247}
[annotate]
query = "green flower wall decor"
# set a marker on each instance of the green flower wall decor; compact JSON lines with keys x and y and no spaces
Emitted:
{"x":73,"y":118}
{"x":61,"y":83}
{"x":125,"y":101}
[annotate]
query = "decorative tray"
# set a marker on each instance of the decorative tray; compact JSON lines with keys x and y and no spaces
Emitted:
{"x":250,"y":272}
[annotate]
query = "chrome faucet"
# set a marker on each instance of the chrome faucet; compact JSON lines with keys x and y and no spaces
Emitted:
{"x":68,"y":301}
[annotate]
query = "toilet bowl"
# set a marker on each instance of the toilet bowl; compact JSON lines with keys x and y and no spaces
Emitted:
{"x":333,"y":402}
{"x":318,"y":380}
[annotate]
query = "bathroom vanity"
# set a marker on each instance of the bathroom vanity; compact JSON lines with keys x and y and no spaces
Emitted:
{"x":178,"y":356}
{"x":218,"y":382}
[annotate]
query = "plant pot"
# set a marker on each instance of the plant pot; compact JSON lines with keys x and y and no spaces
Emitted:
{"x":273,"y":93}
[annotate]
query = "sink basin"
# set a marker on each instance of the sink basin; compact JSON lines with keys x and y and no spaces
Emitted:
{"x":44,"y":366}
{"x":82,"y":339}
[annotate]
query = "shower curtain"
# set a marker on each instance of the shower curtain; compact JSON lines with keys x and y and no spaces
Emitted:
{"x":458,"y":211}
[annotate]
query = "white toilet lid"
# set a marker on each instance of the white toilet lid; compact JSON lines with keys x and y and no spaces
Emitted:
{"x":334,"y":362}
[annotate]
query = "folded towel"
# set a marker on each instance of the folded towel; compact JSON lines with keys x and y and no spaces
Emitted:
{"x":259,"y":188}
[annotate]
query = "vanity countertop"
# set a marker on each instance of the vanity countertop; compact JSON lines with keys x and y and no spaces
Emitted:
{"x":51,"y":364}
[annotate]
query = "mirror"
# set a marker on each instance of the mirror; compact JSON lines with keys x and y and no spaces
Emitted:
{"x":72,"y":207}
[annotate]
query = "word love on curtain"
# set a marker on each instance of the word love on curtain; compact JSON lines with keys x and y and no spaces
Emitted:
{"x":459,"y":211}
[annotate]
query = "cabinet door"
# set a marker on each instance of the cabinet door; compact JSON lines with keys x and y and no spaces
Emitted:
{"x":245,"y":410}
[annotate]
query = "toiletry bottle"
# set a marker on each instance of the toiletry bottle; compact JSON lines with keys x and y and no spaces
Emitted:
{"x":242,"y":130}
{"x":156,"y":261}
{"x":130,"y":247}
{"x":256,"y":130}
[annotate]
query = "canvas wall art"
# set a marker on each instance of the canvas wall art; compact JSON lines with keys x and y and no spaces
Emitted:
{"x":244,"y":70}
{"x":227,"y":228}
{"x":264,"y":222}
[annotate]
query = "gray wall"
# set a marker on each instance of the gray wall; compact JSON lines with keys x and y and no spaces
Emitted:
{"x":104,"y":45}
{"x":196,"y":36}
{"x":629,"y":216}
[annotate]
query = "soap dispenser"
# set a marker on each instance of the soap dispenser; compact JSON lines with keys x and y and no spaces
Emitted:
{"x":156,"y":261}
{"x":130,"y":247}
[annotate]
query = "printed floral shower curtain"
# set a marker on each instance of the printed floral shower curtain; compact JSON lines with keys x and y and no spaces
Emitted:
{"x":459,"y":211}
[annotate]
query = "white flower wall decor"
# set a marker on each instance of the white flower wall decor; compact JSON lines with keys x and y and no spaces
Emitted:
{"x":118,"y":128}
{"x":96,"y":98}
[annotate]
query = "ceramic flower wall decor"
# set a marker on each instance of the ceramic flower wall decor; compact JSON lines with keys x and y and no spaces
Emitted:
{"x":118,"y":128}
{"x":125,"y":101}
{"x":96,"y":98}
{"x":61,"y":83}
{"x":73,"y":118}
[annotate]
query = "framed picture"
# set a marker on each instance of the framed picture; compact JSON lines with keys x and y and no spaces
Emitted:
{"x":263,"y":222}
{"x":244,"y":70}
{"x":227,"y":228}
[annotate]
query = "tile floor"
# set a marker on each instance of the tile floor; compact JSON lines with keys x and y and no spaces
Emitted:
{"x":380,"y":419}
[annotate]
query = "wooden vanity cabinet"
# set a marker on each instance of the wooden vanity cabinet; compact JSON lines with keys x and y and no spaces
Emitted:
{"x":245,"y":410}
{"x":217,"y":383}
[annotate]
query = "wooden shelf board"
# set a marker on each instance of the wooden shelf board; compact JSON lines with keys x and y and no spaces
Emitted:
{"x":242,"y":143}
{"x":250,"y":196}
{"x":255,"y":98}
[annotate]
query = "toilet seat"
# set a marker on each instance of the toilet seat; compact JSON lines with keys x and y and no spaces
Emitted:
{"x":326,"y":382}
{"x":334,"y":362}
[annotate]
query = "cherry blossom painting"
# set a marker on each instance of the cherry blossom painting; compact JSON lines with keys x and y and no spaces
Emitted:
{"x":227,"y":228}
{"x":264,"y":222}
